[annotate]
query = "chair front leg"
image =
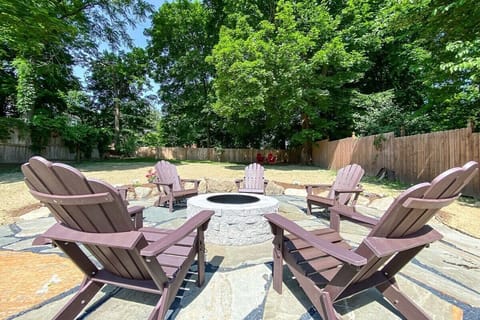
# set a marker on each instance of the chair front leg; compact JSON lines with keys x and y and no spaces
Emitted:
{"x":309,"y":208}
{"x":277,"y":259}
{"x":334,"y":221}
{"x":170,"y":202}
{"x":201,"y":257}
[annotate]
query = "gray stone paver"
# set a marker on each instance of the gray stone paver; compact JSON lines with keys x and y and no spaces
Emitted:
{"x":41,"y":212}
{"x":442,"y":279}
{"x":8,"y":240}
{"x":31,"y":228}
{"x":23,"y":245}
{"x":5,"y":231}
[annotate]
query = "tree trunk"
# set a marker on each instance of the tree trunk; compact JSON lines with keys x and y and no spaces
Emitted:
{"x":117,"y":123}
{"x":306,"y":154}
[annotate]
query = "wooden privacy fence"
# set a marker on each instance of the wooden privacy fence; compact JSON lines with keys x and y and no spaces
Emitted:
{"x":17,"y":149}
{"x":211,"y":154}
{"x":413,"y":159}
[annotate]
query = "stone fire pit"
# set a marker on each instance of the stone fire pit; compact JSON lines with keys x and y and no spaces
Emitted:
{"x":238,"y":217}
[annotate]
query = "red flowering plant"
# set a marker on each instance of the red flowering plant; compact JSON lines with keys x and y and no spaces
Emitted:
{"x":151,"y":175}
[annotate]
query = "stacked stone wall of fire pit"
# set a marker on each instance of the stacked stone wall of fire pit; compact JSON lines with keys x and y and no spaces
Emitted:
{"x":235,"y":224}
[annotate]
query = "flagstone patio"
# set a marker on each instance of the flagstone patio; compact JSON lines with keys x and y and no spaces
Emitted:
{"x":37,"y":281}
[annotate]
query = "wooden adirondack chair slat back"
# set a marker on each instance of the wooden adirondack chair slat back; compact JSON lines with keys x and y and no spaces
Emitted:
{"x":400,"y":221}
{"x":107,"y":217}
{"x":59,"y":179}
{"x":254,"y":177}
{"x":348,"y":177}
{"x":167,"y":173}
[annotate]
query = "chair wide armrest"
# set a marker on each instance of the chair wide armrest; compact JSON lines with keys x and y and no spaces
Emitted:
{"x":350,"y":213}
{"x":341,"y":190}
{"x":195,"y":182}
{"x":122,"y":240}
{"x":318,"y":185}
{"x":383,"y":247}
{"x":195,"y":222}
{"x":338,"y":252}
{"x":136,"y":212}
{"x":41,"y":241}
{"x":168,"y":184}
{"x":310,"y":187}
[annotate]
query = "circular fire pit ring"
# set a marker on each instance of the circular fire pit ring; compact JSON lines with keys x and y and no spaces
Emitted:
{"x":238,"y":218}
{"x":233,"y":198}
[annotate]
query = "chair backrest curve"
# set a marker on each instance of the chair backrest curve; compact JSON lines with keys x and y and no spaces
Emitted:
{"x":59,"y":179}
{"x":348,"y":177}
{"x":167,"y":173}
{"x":103,"y":212}
{"x":254,"y":176}
{"x":399,"y":220}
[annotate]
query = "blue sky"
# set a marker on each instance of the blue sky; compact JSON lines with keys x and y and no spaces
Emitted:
{"x":137,"y":33}
{"x":139,"y":39}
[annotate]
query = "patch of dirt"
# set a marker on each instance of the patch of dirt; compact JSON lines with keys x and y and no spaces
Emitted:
{"x":26,"y":209}
{"x":462,"y":217}
{"x":286,"y":185}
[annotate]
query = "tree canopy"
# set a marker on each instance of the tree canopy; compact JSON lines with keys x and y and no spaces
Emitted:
{"x":40,"y":44}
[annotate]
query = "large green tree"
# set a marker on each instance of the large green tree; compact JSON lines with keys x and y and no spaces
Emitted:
{"x":182,"y":35}
{"x":287,"y":79}
{"x":429,"y":56}
{"x":118,"y":83}
{"x":41,"y":40}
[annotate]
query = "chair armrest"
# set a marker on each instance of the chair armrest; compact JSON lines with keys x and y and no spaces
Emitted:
{"x":196,"y":182}
{"x":41,"y":241}
{"x":338,"y":192}
{"x":238,"y":182}
{"x":136,"y":212}
{"x":123,"y":192}
{"x":123,"y":240}
{"x":318,"y":185}
{"x":383,"y":247}
{"x":197,"y":221}
{"x":310,"y":187}
{"x":349,"y":213}
{"x":168,"y":184}
{"x":356,"y":190}
{"x":338,"y":252}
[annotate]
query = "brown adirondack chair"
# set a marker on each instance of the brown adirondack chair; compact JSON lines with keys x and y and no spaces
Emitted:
{"x":345,"y":186}
{"x":92,"y":213}
{"x":329,"y":270}
{"x":254,"y":180}
{"x":170,"y":186}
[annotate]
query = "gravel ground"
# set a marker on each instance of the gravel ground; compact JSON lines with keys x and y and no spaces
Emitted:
{"x":462,"y":215}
